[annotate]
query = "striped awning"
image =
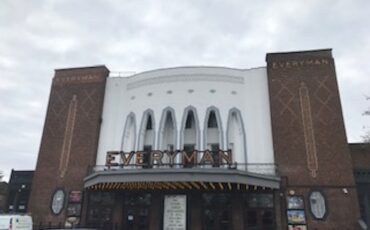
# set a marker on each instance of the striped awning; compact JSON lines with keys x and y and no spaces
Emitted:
{"x":184,"y":185}
{"x":180,"y":179}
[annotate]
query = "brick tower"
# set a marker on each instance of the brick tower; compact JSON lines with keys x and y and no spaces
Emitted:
{"x":309,"y":137}
{"x":69,"y":140}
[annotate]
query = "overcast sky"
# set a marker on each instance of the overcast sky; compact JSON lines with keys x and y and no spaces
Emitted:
{"x":37,"y":37}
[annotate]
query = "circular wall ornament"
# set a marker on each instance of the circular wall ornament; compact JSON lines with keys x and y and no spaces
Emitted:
{"x":57,"y":202}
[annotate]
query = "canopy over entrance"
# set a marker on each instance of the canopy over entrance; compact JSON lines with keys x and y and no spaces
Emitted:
{"x":181,"y":178}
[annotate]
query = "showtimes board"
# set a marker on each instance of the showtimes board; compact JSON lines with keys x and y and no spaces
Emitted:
{"x":174,"y":212}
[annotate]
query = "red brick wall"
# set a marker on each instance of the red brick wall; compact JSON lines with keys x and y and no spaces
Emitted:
{"x":360,"y":153}
{"x":70,"y":135}
{"x":310,"y":143}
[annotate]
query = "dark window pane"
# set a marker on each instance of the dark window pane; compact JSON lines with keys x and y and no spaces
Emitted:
{"x":146,"y":155}
{"x":107,"y":198}
{"x":189,"y":148}
{"x":209,"y":219}
{"x":260,"y":200}
{"x":147,"y":148}
{"x":217,"y":200}
{"x":252,"y":218}
{"x":207,"y":198}
{"x":149,"y":123}
{"x":170,"y":148}
{"x":223,"y":200}
{"x":217,"y":211}
{"x":212,"y":121}
{"x":266,"y":201}
{"x":136,"y":210}
{"x":215,"y":148}
{"x":267,"y":218}
{"x":101,"y":208}
{"x":225,"y":219}
{"x":144,"y":199}
{"x":189,"y":120}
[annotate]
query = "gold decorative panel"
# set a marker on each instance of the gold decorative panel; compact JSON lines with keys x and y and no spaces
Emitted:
{"x":68,"y":136}
{"x":308,"y":129}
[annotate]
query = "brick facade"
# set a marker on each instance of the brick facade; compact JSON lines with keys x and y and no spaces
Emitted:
{"x":70,"y":137}
{"x":310,"y":143}
{"x":360,"y":153}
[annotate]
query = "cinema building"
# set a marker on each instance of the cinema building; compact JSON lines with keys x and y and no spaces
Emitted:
{"x":202,"y":148}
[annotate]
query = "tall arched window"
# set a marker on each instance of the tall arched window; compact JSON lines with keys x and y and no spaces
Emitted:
{"x":236,"y":136}
{"x":189,"y":136}
{"x":129,"y":134}
{"x":167,"y":133}
{"x":147,"y":135}
{"x":189,"y":139}
{"x":213,"y":132}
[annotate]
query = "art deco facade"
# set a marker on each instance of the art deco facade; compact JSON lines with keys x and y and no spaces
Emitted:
{"x":197,"y":148}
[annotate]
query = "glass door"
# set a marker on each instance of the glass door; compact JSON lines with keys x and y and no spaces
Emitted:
{"x":99,"y":214}
{"x":216,"y":214}
{"x":136,"y":211}
{"x":259,"y":211}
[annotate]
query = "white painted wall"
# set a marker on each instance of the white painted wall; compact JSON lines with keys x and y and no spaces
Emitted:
{"x":201,"y":87}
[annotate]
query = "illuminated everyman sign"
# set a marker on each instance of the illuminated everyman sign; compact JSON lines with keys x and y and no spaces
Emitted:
{"x":160,"y":158}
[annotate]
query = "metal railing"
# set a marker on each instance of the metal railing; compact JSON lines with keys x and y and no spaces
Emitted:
{"x":257,"y":168}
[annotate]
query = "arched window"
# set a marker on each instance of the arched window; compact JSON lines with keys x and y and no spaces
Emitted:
{"x":129,"y":134}
{"x":149,"y":125}
{"x":212,"y":121}
{"x":213,"y":133}
{"x":167,"y":133}
{"x":236,"y":136}
{"x":147,"y":135}
{"x":190,"y":122}
{"x":190,"y":135}
{"x":189,"y":139}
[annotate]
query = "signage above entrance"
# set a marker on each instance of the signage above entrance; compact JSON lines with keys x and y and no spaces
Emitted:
{"x":168,"y":158}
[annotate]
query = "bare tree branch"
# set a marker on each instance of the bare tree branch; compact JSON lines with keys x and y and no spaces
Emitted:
{"x":366,"y":136}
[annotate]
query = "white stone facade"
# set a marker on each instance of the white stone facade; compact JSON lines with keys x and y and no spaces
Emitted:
{"x":238,"y":99}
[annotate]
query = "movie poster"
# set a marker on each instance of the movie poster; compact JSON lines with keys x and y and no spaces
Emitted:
{"x":295,"y":202}
{"x":296,"y":217}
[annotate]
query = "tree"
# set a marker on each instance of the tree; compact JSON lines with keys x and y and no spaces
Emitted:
{"x":366,"y":136}
{"x":1,"y":175}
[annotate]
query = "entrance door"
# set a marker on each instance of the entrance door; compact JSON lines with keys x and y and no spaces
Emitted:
{"x":216,"y":214}
{"x":259,"y":211}
{"x":136,"y":211}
